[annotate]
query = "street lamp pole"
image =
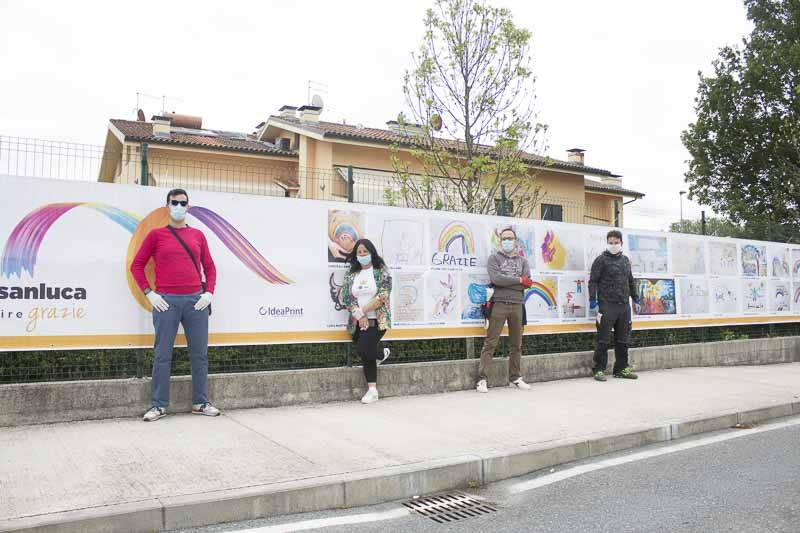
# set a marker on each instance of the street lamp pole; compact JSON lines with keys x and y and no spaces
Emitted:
{"x":681,"y":196}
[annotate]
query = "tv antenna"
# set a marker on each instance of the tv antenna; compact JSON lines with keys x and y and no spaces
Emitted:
{"x":164,"y":100}
{"x":316,"y":86}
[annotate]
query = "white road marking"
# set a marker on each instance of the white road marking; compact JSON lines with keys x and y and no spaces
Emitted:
{"x":329,"y":522}
{"x":607,"y":463}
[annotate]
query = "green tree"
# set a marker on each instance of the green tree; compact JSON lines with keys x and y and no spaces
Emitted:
{"x":715,"y":226}
{"x":745,"y":154}
{"x":472,"y":126}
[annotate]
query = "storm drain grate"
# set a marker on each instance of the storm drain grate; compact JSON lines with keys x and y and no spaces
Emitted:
{"x":450,"y":507}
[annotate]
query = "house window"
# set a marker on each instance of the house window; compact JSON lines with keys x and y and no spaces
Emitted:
{"x":552,"y":212}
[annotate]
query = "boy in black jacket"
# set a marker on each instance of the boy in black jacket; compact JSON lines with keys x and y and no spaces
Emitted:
{"x":610,"y":285}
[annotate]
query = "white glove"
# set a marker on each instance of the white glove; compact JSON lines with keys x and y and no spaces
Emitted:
{"x":157,"y":301}
{"x":203,"y":302}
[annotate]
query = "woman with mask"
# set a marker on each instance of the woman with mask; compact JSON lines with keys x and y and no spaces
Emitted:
{"x":365,"y":293}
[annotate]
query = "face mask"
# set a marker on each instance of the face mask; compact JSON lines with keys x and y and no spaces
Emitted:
{"x":177,"y":212}
{"x":614,"y":248}
{"x":364,"y":259}
{"x":508,"y":245}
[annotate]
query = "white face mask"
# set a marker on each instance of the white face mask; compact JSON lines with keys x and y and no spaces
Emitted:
{"x":507,"y":245}
{"x":614,"y":248}
{"x":177,"y":212}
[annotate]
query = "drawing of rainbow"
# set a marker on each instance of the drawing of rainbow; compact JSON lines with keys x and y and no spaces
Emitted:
{"x":542,"y":291}
{"x":22,"y":247}
{"x":453,"y":232}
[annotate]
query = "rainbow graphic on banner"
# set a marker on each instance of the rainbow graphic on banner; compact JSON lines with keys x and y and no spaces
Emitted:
{"x":22,"y":248}
{"x":542,"y":291}
{"x":456,"y":231}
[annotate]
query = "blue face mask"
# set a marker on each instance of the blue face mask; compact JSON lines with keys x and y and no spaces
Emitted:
{"x":364,"y":259}
{"x":177,"y":212}
{"x":508,"y":245}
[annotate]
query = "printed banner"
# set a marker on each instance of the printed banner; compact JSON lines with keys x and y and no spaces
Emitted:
{"x":67,"y":247}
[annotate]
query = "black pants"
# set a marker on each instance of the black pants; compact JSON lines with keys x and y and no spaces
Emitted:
{"x":618,"y":318}
{"x":368,"y":350}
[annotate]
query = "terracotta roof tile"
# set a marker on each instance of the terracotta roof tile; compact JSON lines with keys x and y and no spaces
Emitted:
{"x":143,"y":131}
{"x":350,"y":131}
{"x":591,"y":185}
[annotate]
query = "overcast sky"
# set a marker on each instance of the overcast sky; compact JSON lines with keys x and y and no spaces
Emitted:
{"x":617,"y":78}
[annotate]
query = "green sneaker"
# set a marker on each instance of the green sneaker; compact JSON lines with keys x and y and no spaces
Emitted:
{"x":626,"y":373}
{"x":600,"y":376}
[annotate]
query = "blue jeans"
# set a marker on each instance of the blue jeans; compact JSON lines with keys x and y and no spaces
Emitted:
{"x":195,"y":325}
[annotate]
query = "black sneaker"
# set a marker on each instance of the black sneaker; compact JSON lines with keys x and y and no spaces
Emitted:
{"x":626,"y":373}
{"x":600,"y":376}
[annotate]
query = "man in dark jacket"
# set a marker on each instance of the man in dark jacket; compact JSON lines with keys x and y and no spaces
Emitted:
{"x":611,"y":284}
{"x":511,"y":275}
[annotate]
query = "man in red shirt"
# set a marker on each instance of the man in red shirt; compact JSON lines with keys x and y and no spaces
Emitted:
{"x":180,"y":297}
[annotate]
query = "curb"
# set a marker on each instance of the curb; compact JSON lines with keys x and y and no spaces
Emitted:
{"x":372,"y":487}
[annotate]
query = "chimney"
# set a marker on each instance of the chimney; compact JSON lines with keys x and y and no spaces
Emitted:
{"x":288,"y":111}
{"x":185,"y":121}
{"x":161,"y":126}
{"x":575,"y":155}
{"x":310,"y":113}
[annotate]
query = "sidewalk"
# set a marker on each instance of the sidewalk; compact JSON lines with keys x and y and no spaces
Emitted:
{"x":355,"y":454}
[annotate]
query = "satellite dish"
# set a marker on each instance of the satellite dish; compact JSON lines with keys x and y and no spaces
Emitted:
{"x":316,"y":101}
{"x":140,"y":115}
{"x":436,"y":122}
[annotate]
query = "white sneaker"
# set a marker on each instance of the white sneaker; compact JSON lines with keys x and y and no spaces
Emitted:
{"x":371,"y":396}
{"x":482,"y":386}
{"x":205,"y":409}
{"x":519,"y":384}
{"x":386,"y":353}
{"x":154,"y":414}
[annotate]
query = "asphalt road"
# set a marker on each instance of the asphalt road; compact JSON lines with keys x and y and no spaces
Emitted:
{"x":744,"y":485}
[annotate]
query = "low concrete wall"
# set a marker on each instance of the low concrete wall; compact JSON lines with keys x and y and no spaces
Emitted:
{"x":40,"y":403}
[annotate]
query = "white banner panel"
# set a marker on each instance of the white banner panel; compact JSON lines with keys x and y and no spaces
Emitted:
{"x":66,"y":249}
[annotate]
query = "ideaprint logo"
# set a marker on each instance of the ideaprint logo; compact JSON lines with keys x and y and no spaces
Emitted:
{"x":280,"y":312}
{"x":455,"y":246}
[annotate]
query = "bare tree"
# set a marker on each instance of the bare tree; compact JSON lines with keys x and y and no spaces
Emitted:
{"x":471,"y":101}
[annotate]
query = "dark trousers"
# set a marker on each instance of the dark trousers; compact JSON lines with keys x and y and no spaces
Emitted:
{"x":501,"y":313}
{"x":367,"y":348}
{"x":618,"y":318}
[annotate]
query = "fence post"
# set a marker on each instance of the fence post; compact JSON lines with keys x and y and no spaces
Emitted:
{"x":144,"y":180}
{"x":350,"y":185}
{"x":470,"y":347}
{"x":702,"y":222}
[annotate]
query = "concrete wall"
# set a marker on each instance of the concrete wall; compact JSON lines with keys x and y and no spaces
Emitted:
{"x":37,"y":403}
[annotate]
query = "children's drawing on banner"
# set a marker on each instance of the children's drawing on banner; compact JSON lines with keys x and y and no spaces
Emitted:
{"x":541,"y":300}
{"x":796,"y":298}
{"x":442,"y":291}
{"x":596,"y":244}
{"x":456,"y":244}
{"x":795,"y":254}
{"x":648,"y":254}
{"x":337,"y":315}
{"x":724,"y":296}
{"x":401,"y":241}
{"x":525,"y":239}
{"x":344,"y":229}
{"x":780,"y":297}
{"x":779,"y":262}
{"x":656,"y":296}
{"x":754,"y":296}
{"x":473,"y":294}
{"x":408,"y":293}
{"x":754,"y":261}
{"x":560,"y":248}
{"x":693,"y":296}
{"x":572,"y":296}
{"x":722,"y":258}
{"x":688,"y":256}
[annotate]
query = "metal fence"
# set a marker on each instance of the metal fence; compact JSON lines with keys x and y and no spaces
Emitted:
{"x":154,"y":165}
{"x":33,"y":366}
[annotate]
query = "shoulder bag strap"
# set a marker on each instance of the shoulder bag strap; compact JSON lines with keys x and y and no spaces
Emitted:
{"x":194,"y":262}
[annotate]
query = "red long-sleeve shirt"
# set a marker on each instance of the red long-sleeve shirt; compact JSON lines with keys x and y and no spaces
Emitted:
{"x":175,"y":273}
